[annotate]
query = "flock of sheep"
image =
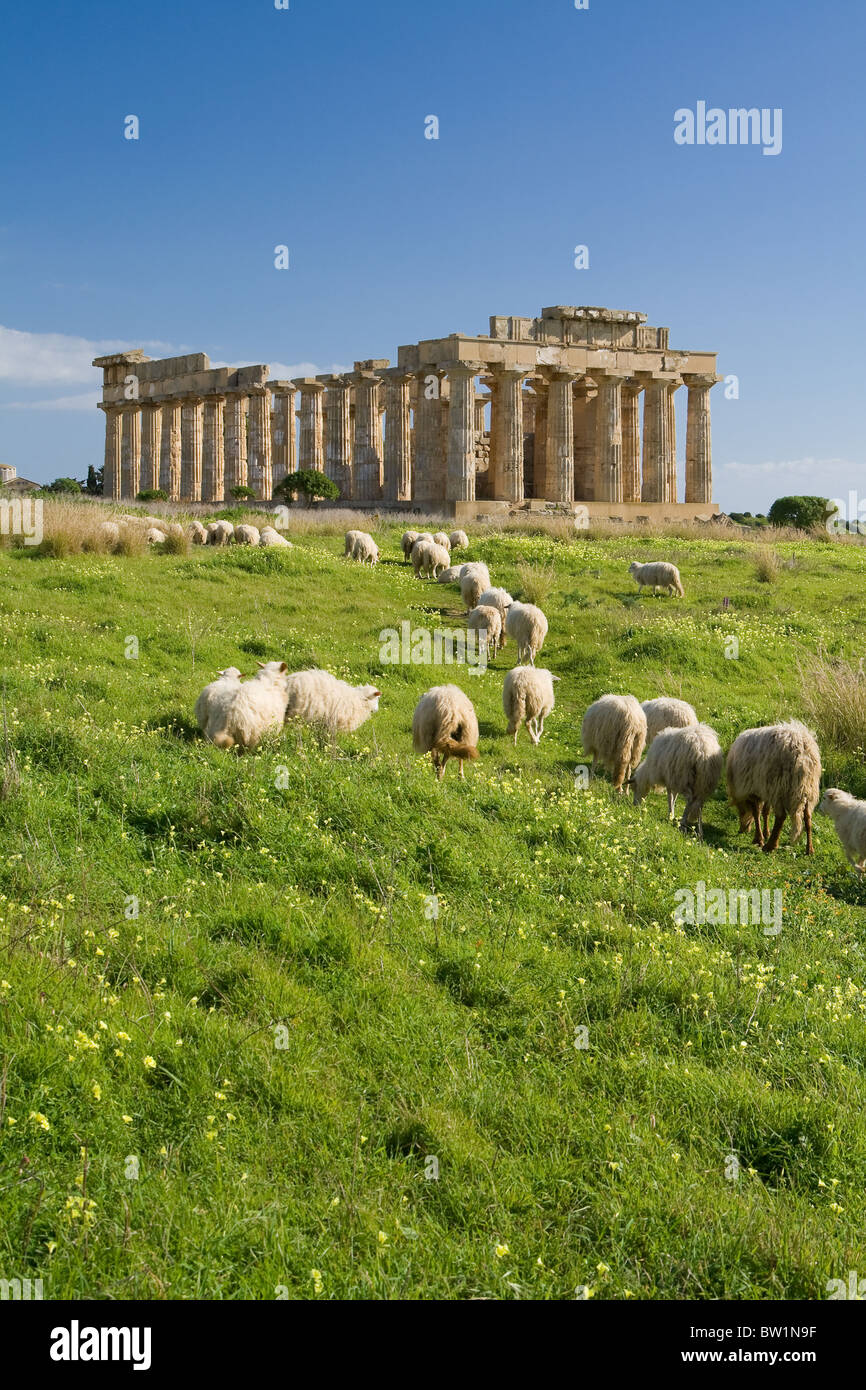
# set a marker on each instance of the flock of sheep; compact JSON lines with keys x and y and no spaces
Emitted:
{"x":158,"y":531}
{"x":776,"y":769}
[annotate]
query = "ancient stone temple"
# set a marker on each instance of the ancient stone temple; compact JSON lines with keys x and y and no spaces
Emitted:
{"x":574,"y":408}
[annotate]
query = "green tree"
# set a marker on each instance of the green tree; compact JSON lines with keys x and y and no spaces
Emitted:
{"x":93,"y":486}
{"x":308,"y":482}
{"x":803,"y":512}
{"x":152,"y":494}
{"x":64,"y":485}
{"x":243,"y":494}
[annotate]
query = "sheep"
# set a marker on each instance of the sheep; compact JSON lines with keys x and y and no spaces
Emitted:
{"x":849,"y":821}
{"x":197,"y":533}
{"x":445,"y":726}
{"x":613,"y":733}
{"x":474,"y":579}
{"x":219,"y":532}
{"x":269,"y":536}
{"x":240,"y":715}
{"x":459,"y":540}
{"x":317,"y":697}
{"x":365,"y":550}
{"x":659,"y":574}
{"x":442,"y":538}
{"x":154,"y":536}
{"x":408,"y":540}
{"x":527,"y":698}
{"x":246,"y":535}
{"x":230,"y":677}
{"x":500,"y":599}
{"x":776,"y":768}
{"x":110,"y":532}
{"x":686,"y":761}
{"x":666,"y":713}
{"x":349,"y":541}
{"x":486,"y":620}
{"x":528,"y":626}
{"x":429,"y":558}
{"x":449,"y":576}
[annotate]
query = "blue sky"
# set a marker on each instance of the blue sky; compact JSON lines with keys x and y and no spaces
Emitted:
{"x":305,"y":126}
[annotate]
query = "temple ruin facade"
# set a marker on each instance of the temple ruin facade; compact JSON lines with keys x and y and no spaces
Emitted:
{"x":575,"y":408}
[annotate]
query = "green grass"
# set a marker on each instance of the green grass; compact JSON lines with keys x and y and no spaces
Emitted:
{"x":318,"y":1037}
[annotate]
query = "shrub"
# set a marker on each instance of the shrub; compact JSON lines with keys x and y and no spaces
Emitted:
{"x":243,"y":494}
{"x":310,"y":483}
{"x":802,"y":512}
{"x":536,"y":582}
{"x":63,"y":485}
{"x":152,"y":494}
{"x":175,"y":543}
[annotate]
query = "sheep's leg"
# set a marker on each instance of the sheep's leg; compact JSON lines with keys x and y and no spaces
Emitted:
{"x":672,"y":801}
{"x":773,"y":842}
{"x":765,"y":811}
{"x":807,"y":817}
{"x":540,"y":726}
{"x":755,"y":807}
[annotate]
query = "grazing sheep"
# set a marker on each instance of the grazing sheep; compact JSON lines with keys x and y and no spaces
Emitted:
{"x":110,"y":532}
{"x":408,"y":540}
{"x":849,"y":821}
{"x":499,"y":599}
{"x":449,"y":576}
{"x":349,"y":542}
{"x":154,"y":536}
{"x":269,"y":536}
{"x":474,"y":579}
{"x":219,"y":532}
{"x":429,"y":558}
{"x":230,"y":677}
{"x":659,"y":574}
{"x":246,"y":535}
{"x":666,"y":713}
{"x":778,"y":769}
{"x":444,"y":725}
{"x":686,"y":761}
{"x":613,"y":733}
{"x":197,"y":533}
{"x":365,"y":550}
{"x":317,"y":697}
{"x":528,"y":626}
{"x":442,"y":538}
{"x":486,"y":620}
{"x":240,"y":715}
{"x":459,"y":540}
{"x":527,"y":698}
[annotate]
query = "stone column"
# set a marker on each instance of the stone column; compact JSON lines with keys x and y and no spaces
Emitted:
{"x":656,"y":426}
{"x":112,"y":465}
{"x":312,"y":445}
{"x":631,"y":441}
{"x":368,"y":441}
{"x":508,"y":432}
{"x":191,"y":450}
{"x":559,"y":474}
{"x":170,"y":450}
{"x":585,"y":410}
{"x":130,"y":451}
{"x":480,"y":424}
{"x":213,"y":450}
{"x":235,"y":442}
{"x":282,"y":431}
{"x":461,"y":431}
{"x":259,"y":473}
{"x":398,"y":437}
{"x":540,"y":414}
{"x":338,"y":434}
{"x":151,"y":431}
{"x":699,"y":445}
{"x":609,"y":427}
{"x":670,"y":489}
{"x":430,"y":471}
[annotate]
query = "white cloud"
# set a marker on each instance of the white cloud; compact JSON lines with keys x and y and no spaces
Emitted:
{"x":791,"y":468}
{"x":87,"y":401}
{"x":47,"y":359}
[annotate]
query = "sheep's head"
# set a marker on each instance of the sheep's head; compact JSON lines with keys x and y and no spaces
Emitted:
{"x":371,"y":695}
{"x":273,"y":672}
{"x":230,"y":673}
{"x":834,"y":800}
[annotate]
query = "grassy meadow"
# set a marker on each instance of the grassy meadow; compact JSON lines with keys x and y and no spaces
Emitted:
{"x":307,"y":1023}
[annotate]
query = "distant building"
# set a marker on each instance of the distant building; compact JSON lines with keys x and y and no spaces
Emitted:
{"x":7,"y":473}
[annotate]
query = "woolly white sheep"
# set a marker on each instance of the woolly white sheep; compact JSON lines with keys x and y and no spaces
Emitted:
{"x":246,"y":535}
{"x":408,"y":540}
{"x":442,"y":538}
{"x":269,"y":536}
{"x":459,"y":540}
{"x":613,"y":733}
{"x":778,"y":769}
{"x":242,"y":714}
{"x":528,"y":626}
{"x":317,"y":697}
{"x":658,"y":574}
{"x":449,"y":576}
{"x":685,"y":761}
{"x":486,"y":620}
{"x":219,"y":532}
{"x":527,"y":698}
{"x":230,"y":677}
{"x":665,"y":713}
{"x":110,"y":532}
{"x":474,"y":579}
{"x":197,"y":533}
{"x":429,"y":558}
{"x":154,"y":536}
{"x":849,"y":821}
{"x":365,"y":550}
{"x":349,"y":542}
{"x":500,"y":599}
{"x":445,"y":726}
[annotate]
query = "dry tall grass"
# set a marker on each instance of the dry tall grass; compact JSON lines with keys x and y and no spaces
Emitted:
{"x":768,"y":564}
{"x":834,"y":697}
{"x":536,"y":582}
